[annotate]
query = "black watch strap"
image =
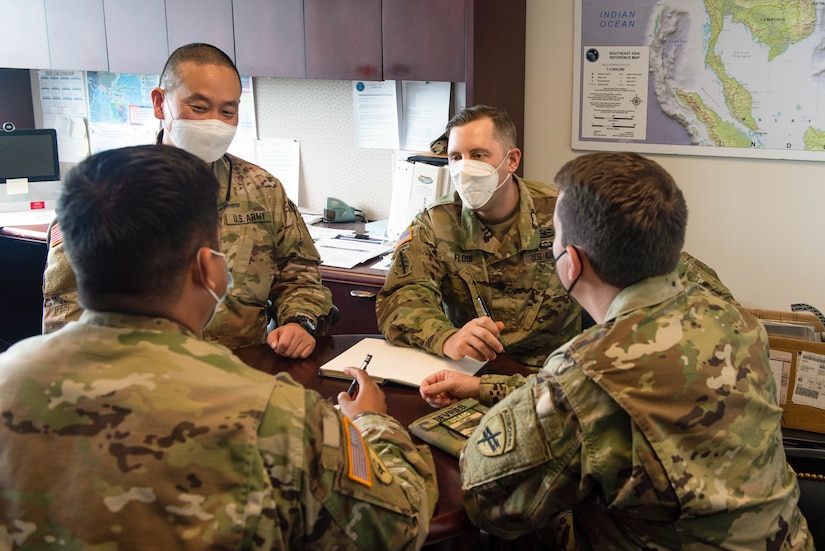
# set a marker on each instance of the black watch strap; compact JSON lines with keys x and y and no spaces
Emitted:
{"x":304,"y":321}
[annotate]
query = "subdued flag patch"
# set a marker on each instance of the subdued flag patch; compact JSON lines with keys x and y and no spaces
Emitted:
{"x":359,"y":463}
{"x":404,"y":237}
{"x":55,"y":236}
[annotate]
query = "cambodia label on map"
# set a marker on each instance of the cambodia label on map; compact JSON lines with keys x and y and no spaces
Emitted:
{"x":705,"y":77}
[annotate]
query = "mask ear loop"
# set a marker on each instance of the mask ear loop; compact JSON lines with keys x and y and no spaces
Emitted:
{"x":215,"y":296}
{"x":504,"y":181}
{"x":579,"y":258}
{"x":172,"y":118}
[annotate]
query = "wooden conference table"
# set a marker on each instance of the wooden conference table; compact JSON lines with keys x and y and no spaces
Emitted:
{"x":450,"y":520}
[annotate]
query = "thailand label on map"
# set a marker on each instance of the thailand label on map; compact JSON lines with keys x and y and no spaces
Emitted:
{"x":737,"y":78}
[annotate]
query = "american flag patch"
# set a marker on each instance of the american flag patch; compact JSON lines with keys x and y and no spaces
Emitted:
{"x":359,"y":463}
{"x":55,"y":235}
{"x":404,"y":237}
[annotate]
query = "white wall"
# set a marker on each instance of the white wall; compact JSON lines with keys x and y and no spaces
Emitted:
{"x":759,"y":223}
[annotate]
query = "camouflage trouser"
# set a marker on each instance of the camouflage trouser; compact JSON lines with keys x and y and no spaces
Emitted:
{"x":557,"y":535}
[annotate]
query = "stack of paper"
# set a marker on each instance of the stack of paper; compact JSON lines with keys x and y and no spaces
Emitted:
{"x":347,"y":251}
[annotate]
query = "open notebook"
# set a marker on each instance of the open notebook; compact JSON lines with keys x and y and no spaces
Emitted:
{"x":397,"y":364}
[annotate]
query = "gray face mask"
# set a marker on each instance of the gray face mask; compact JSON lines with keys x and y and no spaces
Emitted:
{"x":476,"y":181}
{"x":230,"y":282}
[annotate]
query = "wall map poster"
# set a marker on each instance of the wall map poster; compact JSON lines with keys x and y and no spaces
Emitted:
{"x":742,"y":78}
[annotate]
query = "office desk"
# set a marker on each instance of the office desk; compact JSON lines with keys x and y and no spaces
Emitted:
{"x":353,"y":289}
{"x":23,"y":253}
{"x":405,"y":404}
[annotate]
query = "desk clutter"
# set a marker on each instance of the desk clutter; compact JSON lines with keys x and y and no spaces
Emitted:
{"x":798,"y":365}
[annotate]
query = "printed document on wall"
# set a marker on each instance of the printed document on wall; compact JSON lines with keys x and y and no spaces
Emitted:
{"x":376,"y":110}
{"x":281,"y":157}
{"x":63,"y":98}
{"x":426,"y":112}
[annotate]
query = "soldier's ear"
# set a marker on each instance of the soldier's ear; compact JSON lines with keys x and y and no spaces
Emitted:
{"x":574,"y":267}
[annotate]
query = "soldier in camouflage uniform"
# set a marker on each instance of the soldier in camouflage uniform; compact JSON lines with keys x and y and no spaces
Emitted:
{"x":500,"y":251}
{"x":126,"y":430}
{"x":659,"y":427}
{"x":270,"y":251}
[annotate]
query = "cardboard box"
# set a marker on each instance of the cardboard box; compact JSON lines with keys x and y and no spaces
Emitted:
{"x":799,"y":369}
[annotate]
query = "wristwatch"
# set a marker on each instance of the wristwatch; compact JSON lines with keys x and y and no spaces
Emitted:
{"x":304,"y":321}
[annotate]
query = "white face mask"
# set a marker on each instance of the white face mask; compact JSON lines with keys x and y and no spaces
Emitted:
{"x":207,"y":138}
{"x":230,"y":281}
{"x":476,"y":181}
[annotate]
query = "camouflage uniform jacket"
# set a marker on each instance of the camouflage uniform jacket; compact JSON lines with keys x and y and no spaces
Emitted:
{"x":268,"y":248}
{"x":449,"y":257}
{"x":659,"y":428}
{"x":129,"y":431}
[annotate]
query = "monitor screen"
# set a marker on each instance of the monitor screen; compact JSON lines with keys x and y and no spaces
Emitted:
{"x":29,"y":154}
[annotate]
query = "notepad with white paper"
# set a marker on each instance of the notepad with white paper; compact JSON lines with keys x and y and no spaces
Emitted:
{"x":397,"y":364}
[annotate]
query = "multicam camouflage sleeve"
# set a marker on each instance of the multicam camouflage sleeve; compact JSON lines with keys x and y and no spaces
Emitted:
{"x":59,"y":285}
{"x":408,"y":307}
{"x":364,"y":484}
{"x":692,"y":269}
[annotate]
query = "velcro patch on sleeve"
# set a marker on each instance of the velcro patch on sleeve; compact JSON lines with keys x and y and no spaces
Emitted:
{"x":498,"y":435}
{"x":359,"y":461}
{"x":404,"y":237}
{"x":55,"y":236}
{"x":332,"y":441}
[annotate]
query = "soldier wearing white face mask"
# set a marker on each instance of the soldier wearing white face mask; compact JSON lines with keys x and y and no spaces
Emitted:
{"x":492,"y":238}
{"x":269,"y":252}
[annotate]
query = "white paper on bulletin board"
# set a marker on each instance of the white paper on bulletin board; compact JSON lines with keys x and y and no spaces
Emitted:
{"x":281,"y":157}
{"x":426,"y":111}
{"x":377,"y":113}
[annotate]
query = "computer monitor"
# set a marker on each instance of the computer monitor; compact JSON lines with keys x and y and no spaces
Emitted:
{"x":29,"y":170}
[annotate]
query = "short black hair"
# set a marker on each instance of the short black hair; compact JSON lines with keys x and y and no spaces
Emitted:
{"x":625,"y":211}
{"x":197,"y":53}
{"x":504,"y":129}
{"x":133,"y":218}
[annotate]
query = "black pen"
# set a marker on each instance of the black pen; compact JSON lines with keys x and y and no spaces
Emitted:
{"x":485,"y":309}
{"x":354,"y":384}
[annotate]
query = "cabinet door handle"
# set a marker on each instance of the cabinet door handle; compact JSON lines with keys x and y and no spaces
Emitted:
{"x":357,"y":293}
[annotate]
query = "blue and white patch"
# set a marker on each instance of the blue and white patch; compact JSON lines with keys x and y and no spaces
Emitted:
{"x":498,"y":436}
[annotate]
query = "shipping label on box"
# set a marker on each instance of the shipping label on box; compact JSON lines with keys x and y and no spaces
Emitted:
{"x":799,"y":369}
{"x":809,"y":387}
